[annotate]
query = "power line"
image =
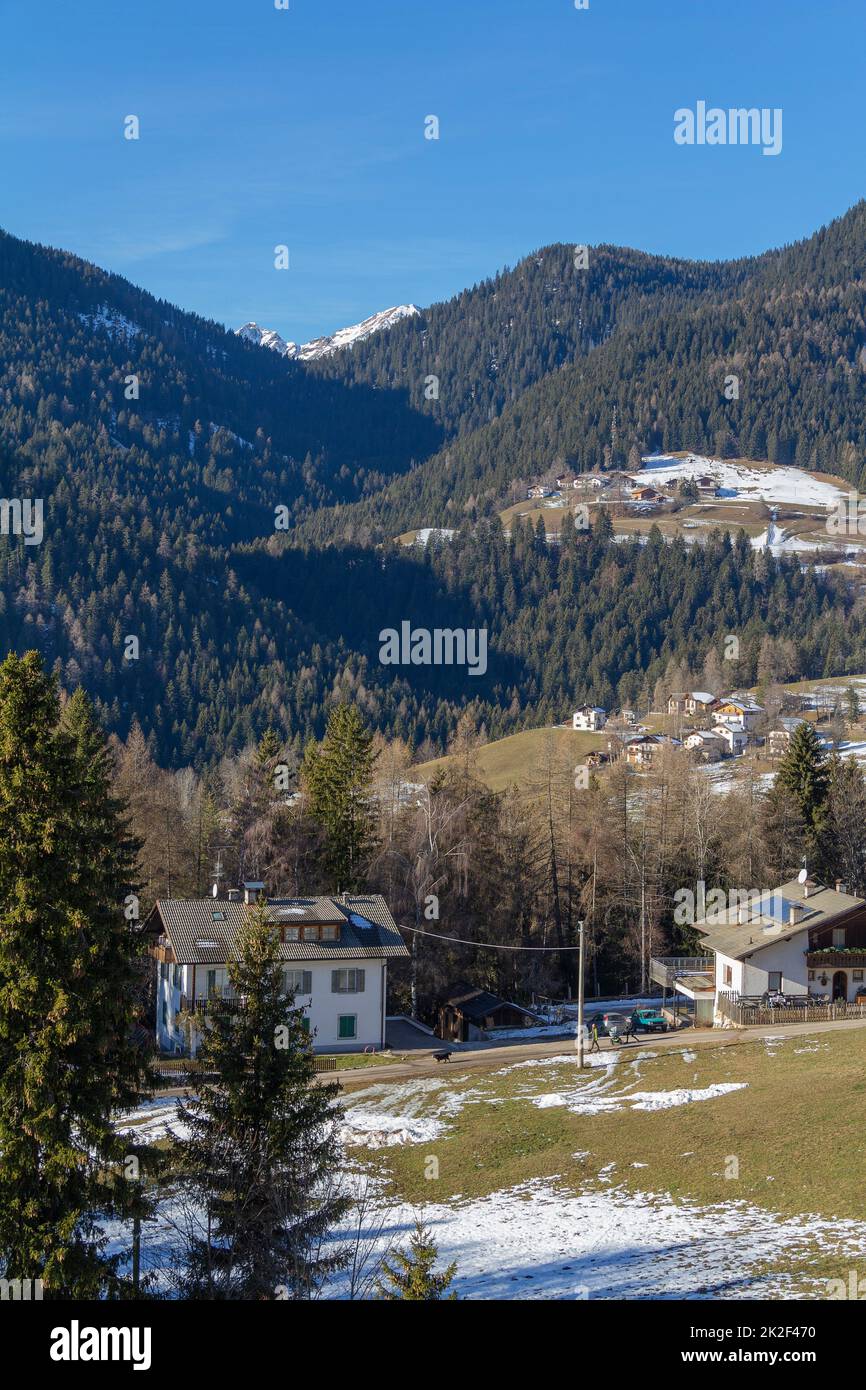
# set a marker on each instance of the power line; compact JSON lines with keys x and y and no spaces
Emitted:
{"x":484,"y":945}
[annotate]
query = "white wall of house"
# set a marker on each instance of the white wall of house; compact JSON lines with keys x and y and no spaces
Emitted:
{"x":752,"y":976}
{"x":729,"y":975}
{"x":785,"y":957}
{"x":323,"y":1006}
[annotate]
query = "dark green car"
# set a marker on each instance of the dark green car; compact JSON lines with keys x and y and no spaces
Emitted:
{"x":649,"y":1021}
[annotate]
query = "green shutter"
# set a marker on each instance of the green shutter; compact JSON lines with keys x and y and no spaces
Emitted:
{"x":307,"y":982}
{"x":335,"y":982}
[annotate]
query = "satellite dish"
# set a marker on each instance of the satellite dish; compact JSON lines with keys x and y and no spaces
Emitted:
{"x":802,"y":875}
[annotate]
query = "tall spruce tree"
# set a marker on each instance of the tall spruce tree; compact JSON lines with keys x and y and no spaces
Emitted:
{"x":67,"y":990}
{"x":261,"y":1157}
{"x":411,"y":1274}
{"x":842,"y":839}
{"x":337,"y":776}
{"x":804,"y":774}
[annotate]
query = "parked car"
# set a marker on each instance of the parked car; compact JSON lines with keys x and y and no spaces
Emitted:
{"x":649,"y":1021}
{"x":598,"y":1021}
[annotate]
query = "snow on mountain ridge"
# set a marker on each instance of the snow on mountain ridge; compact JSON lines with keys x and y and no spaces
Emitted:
{"x":334,"y":342}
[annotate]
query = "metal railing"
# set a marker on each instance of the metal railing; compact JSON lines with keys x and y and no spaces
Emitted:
{"x":665,"y":970}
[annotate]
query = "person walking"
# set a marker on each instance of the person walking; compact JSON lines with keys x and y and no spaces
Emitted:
{"x":594,"y":1036}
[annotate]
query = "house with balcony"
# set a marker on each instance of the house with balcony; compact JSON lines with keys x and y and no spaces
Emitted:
{"x":746,"y":714}
{"x":590,"y":717}
{"x":334,"y":952}
{"x":796,"y":946}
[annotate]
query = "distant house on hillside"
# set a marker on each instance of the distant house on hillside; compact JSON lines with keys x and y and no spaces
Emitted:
{"x":735,"y":739}
{"x":699,"y":702}
{"x":646,"y":494}
{"x":589,"y":717}
{"x":468,"y":1014}
{"x":744,"y":712}
{"x":641,"y":750}
{"x":779,"y":740}
{"x":707,"y":487}
{"x":708,"y":743}
{"x":540,"y":490}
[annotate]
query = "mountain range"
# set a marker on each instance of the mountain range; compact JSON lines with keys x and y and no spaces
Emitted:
{"x":233,"y":508}
{"x":323,"y":347}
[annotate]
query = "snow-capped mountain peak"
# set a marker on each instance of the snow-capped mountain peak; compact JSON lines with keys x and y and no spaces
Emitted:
{"x":334,"y":342}
{"x":266,"y":337}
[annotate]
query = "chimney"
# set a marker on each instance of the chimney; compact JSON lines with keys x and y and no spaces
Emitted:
{"x":792,"y":914}
{"x":840,"y":886}
{"x":234,"y":895}
{"x":806,"y":889}
{"x":252,"y":889}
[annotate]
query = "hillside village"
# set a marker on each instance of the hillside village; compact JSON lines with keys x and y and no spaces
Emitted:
{"x":711,"y":727}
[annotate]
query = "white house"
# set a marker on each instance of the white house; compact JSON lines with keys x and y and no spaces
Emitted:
{"x":540,"y":490}
{"x":335,"y":953}
{"x":589,"y":717}
{"x":799,"y":939}
{"x":735,"y":739}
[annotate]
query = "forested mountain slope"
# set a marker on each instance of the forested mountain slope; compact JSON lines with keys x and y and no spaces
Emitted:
{"x":789,"y":326}
{"x":159,"y":511}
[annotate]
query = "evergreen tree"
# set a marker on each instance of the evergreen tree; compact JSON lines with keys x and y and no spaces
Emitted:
{"x":842,"y":839}
{"x":67,"y":990}
{"x":411,"y":1274}
{"x":784,"y":836}
{"x":261,"y":1153}
{"x":852,"y":700}
{"x":803,"y":773}
{"x":337,"y":776}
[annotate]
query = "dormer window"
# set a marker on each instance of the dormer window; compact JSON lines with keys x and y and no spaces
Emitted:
{"x":311,"y":933}
{"x":291,"y":933}
{"x":330,"y":933}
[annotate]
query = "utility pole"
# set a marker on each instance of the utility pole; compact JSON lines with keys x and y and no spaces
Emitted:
{"x":580,"y":998}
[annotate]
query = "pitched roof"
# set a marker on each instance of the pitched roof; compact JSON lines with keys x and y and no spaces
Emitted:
{"x":768,"y":919}
{"x":203,"y":932}
{"x":478,"y":1003}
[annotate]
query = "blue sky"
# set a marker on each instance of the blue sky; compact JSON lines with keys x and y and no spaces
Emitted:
{"x":306,"y":127}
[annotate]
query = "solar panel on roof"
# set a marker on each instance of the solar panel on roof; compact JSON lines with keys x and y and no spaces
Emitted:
{"x":364,"y":928}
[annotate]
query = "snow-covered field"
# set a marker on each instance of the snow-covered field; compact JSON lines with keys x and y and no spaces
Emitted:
{"x":570,"y":1236}
{"x":774,"y":483}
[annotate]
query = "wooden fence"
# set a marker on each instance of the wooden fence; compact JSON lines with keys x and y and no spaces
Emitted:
{"x":749,"y":1014}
